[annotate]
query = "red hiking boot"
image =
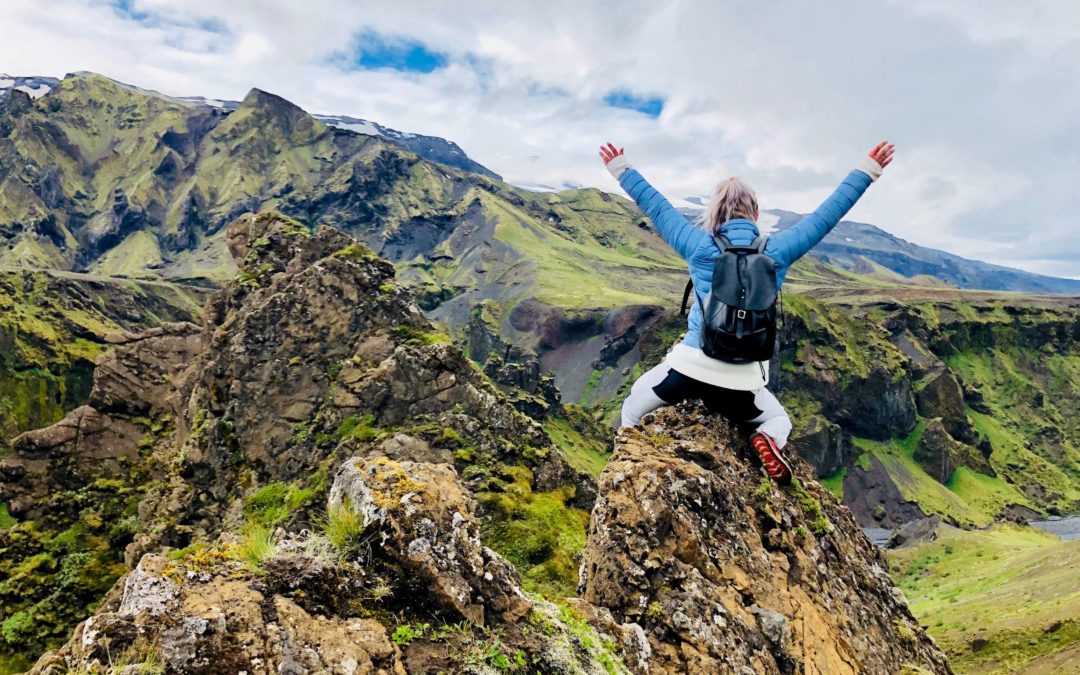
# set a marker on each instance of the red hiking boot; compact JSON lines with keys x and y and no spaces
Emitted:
{"x":774,"y":462}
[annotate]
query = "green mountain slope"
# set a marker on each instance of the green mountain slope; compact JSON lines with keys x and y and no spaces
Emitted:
{"x":52,"y":327}
{"x":1003,"y":600}
{"x":109,"y":178}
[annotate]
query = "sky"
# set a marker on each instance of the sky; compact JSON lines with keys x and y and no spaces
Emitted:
{"x":980,"y":97}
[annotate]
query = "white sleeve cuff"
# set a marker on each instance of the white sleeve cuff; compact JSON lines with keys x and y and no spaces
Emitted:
{"x":617,"y":166}
{"x":870,"y":168}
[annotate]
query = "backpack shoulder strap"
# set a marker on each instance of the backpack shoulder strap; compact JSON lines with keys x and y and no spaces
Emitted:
{"x":722,"y":242}
{"x":686,"y":295}
{"x":759,"y":243}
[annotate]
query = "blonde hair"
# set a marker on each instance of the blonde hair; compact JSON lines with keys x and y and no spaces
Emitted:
{"x":731,"y":199}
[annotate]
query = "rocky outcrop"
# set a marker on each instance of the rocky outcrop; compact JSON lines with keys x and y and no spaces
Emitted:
{"x":725,"y":572}
{"x":695,"y":563}
{"x":826,"y":446}
{"x":226,"y":619}
{"x":315,"y":353}
{"x":101,"y":439}
{"x":515,"y":369}
{"x":428,"y":526}
{"x":942,"y":397}
{"x":941,"y":454}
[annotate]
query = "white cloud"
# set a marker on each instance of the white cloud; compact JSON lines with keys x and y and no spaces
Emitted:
{"x":980,"y":96}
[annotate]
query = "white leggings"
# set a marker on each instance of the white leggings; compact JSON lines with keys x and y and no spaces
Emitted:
{"x":772,"y":420}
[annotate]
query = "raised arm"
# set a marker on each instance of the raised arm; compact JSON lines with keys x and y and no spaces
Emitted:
{"x":672,"y":225}
{"x":793,"y":243}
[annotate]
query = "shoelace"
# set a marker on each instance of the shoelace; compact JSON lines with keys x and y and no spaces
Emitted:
{"x":773,"y":465}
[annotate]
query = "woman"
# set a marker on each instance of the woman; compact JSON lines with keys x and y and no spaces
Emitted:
{"x":735,"y":390}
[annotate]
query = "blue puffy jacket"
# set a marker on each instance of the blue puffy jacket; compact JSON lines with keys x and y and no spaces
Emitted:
{"x":699,"y":250}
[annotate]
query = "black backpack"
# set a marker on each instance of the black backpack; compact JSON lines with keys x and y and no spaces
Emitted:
{"x":739,"y":312}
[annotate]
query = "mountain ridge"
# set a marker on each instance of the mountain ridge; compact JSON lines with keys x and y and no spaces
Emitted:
{"x":433,"y":148}
{"x":865,"y":249}
{"x":852,"y":240}
{"x":907,"y":260}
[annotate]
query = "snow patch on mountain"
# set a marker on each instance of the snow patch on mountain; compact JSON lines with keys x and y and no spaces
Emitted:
{"x":366,"y":128}
{"x":35,"y":86}
{"x":35,"y":92}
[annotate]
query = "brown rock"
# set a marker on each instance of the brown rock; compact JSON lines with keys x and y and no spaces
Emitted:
{"x":139,"y":375}
{"x":79,"y":449}
{"x":225,"y":623}
{"x":943,"y":397}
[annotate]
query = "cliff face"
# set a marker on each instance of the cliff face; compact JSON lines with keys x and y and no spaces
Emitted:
{"x":913,"y":402}
{"x":316,"y":480}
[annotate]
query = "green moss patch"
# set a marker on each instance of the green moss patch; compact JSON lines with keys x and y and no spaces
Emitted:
{"x":537,"y":531}
{"x":835,"y":483}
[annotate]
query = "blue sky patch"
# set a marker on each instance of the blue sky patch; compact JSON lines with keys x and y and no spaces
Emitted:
{"x":647,"y":105}
{"x":126,"y":9}
{"x":373,"y":51}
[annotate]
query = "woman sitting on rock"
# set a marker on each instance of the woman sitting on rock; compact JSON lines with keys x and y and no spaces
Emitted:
{"x":736,"y":390}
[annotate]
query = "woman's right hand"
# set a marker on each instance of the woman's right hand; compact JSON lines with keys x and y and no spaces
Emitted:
{"x":882,"y":153}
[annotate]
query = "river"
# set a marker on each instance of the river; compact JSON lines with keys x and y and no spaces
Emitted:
{"x":1066,"y":528}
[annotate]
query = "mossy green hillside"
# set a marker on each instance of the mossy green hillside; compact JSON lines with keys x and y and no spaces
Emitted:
{"x":968,"y":498}
{"x":52,"y":327}
{"x":1016,"y":358}
{"x":1012,"y":587}
{"x":593,"y":257}
{"x":583,"y":440}
{"x":1030,"y":400}
{"x":186,"y":170}
{"x":54,"y":572}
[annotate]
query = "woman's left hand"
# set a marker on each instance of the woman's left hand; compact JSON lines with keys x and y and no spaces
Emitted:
{"x":614,"y":159}
{"x":609,"y":153}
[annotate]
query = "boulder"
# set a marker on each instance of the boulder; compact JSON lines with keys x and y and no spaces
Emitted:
{"x":427,"y":524}
{"x":227,"y":620}
{"x":916,"y":532}
{"x":826,"y":446}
